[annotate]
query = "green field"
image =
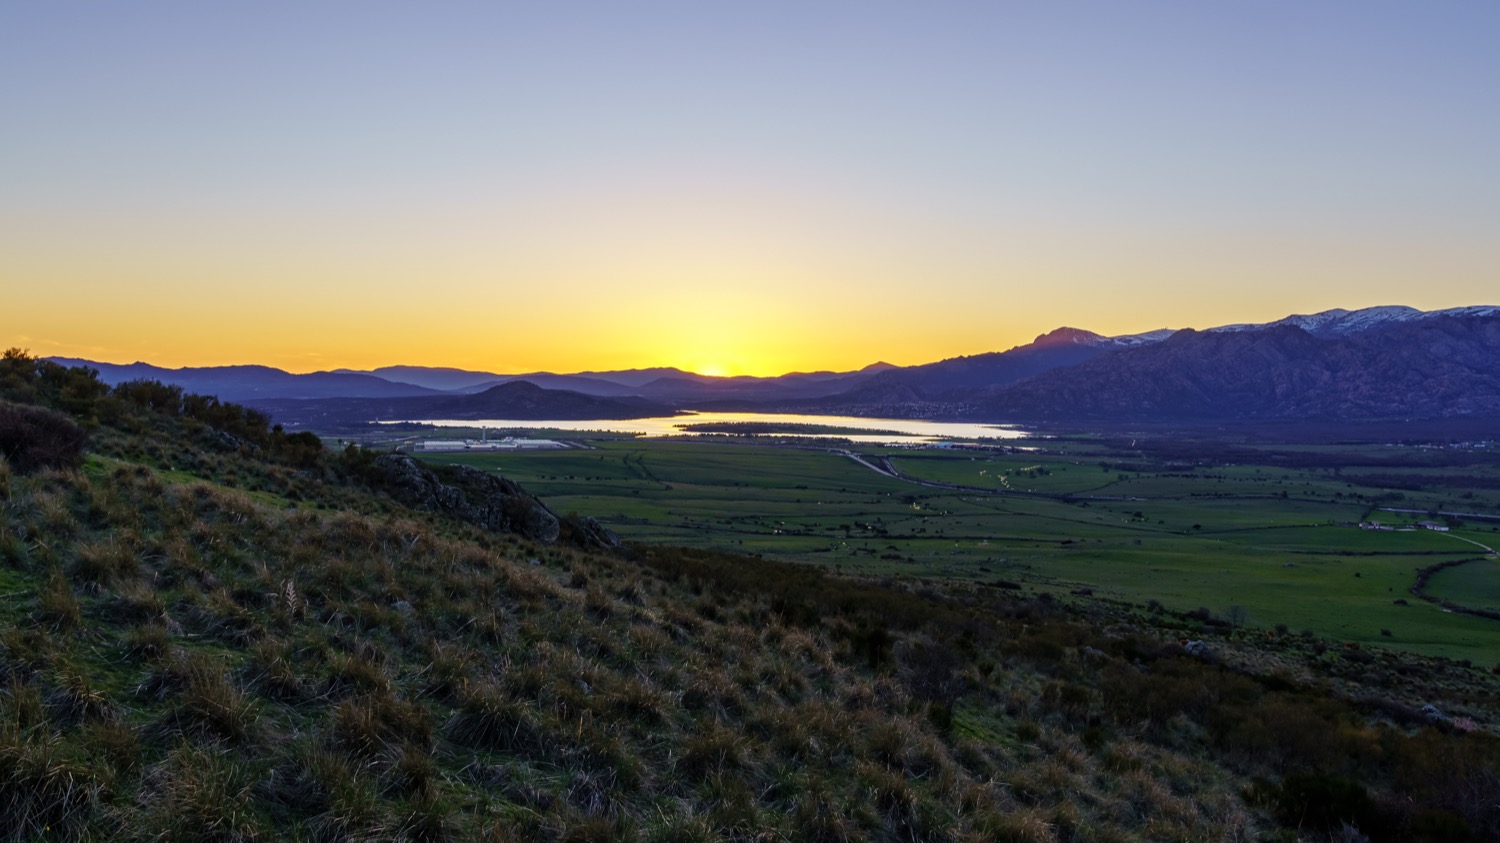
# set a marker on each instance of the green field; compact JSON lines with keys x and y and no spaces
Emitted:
{"x":1475,"y":585}
{"x":1279,"y":543}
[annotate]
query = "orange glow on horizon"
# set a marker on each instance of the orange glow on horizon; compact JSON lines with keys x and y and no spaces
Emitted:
{"x":731,"y":337}
{"x":725,"y":306}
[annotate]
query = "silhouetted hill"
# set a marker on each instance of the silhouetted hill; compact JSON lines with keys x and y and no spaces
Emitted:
{"x":439,"y":378}
{"x":571,"y":383}
{"x":470,"y":381}
{"x":260,"y":383}
{"x":513,"y":400}
{"x":243,"y":383}
{"x":525,"y":400}
{"x":703,"y":392}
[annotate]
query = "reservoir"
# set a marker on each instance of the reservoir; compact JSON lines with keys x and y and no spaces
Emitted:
{"x":852,"y":428}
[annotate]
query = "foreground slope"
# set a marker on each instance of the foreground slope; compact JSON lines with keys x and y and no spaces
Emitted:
{"x":215,"y":631}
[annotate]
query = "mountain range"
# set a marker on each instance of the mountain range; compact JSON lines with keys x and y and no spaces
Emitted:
{"x":1378,"y":363}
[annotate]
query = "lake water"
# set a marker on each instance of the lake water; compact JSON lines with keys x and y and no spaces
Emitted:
{"x":900,"y":431}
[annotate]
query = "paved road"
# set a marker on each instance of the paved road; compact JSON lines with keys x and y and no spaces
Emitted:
{"x":883,"y":467}
{"x":886,"y":470}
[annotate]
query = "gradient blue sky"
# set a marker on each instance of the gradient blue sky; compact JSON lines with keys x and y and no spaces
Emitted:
{"x":730,"y":187}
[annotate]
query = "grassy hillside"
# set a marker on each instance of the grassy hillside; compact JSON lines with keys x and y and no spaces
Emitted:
{"x":1272,"y":533}
{"x":214,"y":631}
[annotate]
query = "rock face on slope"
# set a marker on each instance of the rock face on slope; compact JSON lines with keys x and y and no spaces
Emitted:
{"x":586,"y":532}
{"x":485,"y":500}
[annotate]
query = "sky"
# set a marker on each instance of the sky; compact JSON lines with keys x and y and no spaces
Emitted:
{"x":727,"y":187}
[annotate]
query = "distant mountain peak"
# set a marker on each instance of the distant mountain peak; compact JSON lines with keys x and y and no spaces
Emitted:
{"x":1069,"y":336}
{"x":879,"y":366}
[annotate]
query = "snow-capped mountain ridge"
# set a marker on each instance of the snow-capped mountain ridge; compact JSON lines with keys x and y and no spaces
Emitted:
{"x":1393,"y":364}
{"x":1472,"y":310}
{"x":1145,"y":338}
{"x":1079,"y":336}
{"x":1342,"y":323}
{"x":1337,"y":322}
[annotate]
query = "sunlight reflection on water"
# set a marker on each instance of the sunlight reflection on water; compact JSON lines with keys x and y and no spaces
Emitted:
{"x":882,"y":430}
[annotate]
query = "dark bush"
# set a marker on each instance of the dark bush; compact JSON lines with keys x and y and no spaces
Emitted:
{"x":1438,"y":827}
{"x":32,"y":439}
{"x":1315,"y":800}
{"x":932,"y":672}
{"x":874,"y":644}
{"x":151,"y":395}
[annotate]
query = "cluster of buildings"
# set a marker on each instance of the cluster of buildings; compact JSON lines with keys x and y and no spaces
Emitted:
{"x":508,"y":443}
{"x":1426,"y":525}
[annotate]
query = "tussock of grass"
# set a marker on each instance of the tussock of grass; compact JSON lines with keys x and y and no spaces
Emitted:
{"x":76,"y":700}
{"x":46,"y":790}
{"x":110,"y":560}
{"x":713,"y":749}
{"x":57,"y":607}
{"x":378,"y":724}
{"x":488,"y":718}
{"x":198,"y":794}
{"x":133,"y":602}
{"x":147,"y":641}
{"x":202,"y":699}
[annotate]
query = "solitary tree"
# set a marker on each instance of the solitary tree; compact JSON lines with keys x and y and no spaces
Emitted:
{"x":1237,"y":616}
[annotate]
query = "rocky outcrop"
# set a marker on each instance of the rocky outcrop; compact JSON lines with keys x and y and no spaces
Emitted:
{"x":485,"y":500}
{"x":586,"y":532}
